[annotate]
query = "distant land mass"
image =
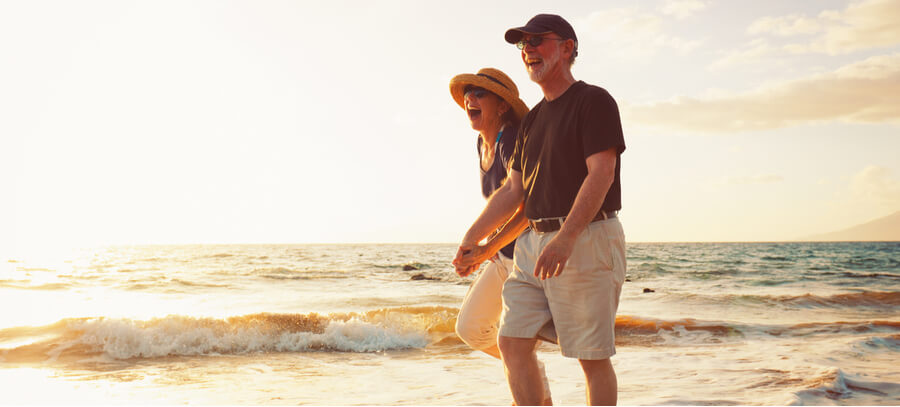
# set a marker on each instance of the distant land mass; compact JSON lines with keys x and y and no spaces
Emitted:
{"x":881,"y":229}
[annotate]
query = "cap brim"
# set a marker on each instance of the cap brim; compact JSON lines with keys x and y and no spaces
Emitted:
{"x":514,"y":35}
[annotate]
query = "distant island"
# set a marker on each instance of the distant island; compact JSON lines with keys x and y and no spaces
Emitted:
{"x":886,"y":229}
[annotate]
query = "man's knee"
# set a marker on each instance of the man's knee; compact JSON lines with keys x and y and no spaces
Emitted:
{"x":596,"y":366}
{"x":514,"y":348}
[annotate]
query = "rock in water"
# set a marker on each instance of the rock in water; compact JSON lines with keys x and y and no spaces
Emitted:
{"x":647,"y":290}
{"x":409,"y":267}
{"x":421,"y":276}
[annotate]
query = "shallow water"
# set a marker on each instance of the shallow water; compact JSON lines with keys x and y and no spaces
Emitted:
{"x":754,"y":323}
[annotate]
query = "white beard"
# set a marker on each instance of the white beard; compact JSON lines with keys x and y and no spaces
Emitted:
{"x":547,"y":64}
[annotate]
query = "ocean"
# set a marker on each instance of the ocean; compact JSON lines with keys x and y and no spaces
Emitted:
{"x":699,"y":324}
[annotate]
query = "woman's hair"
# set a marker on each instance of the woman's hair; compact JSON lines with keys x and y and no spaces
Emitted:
{"x":510,"y":117}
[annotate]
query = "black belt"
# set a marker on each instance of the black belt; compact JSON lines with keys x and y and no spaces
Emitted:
{"x":553,"y":224}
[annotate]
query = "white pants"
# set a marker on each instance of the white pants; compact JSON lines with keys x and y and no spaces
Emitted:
{"x":479,"y":315}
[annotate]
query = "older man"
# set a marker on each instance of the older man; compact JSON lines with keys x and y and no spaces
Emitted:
{"x":570,"y":266}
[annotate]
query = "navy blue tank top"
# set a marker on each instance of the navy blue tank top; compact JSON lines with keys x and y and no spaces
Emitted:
{"x":492,"y":179}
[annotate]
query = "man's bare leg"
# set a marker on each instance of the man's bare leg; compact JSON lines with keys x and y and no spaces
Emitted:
{"x":602,"y":386}
{"x":495,"y":352}
{"x":520,"y":363}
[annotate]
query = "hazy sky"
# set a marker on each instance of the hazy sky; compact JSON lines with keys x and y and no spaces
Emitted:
{"x":296,"y":121}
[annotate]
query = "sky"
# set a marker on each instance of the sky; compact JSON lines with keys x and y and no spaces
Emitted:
{"x":169,"y":122}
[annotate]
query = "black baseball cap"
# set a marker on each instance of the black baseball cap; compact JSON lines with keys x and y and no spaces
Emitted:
{"x":542,"y":24}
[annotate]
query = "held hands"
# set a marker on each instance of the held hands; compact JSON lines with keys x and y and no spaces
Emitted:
{"x":469,"y":258}
{"x":553,"y":258}
{"x":462,"y":269}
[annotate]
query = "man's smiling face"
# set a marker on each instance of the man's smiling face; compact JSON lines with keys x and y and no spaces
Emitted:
{"x":541,"y":61}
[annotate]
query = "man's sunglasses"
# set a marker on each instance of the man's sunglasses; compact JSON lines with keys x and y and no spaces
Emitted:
{"x":535,"y":41}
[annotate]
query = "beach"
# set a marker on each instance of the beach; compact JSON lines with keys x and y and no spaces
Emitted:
{"x":699,"y":323}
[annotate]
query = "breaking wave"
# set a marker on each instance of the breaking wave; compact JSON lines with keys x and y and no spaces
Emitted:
{"x":373,"y":331}
{"x":835,"y":385}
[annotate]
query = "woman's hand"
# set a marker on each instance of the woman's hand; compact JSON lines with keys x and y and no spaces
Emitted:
{"x":463,"y":270}
{"x":469,"y":258}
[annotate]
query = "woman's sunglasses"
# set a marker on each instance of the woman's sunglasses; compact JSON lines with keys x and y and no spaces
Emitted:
{"x":477,"y":92}
{"x":535,"y":41}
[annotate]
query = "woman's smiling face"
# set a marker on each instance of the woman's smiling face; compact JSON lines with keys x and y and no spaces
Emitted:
{"x":484,"y":108}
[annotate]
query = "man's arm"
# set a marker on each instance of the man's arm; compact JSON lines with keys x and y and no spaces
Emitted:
{"x":509,"y":232}
{"x":466,"y":264}
{"x":601,"y":174}
{"x":500,"y":206}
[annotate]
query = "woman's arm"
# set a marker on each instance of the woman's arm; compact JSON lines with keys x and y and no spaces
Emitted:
{"x":500,"y":207}
{"x":471,"y":257}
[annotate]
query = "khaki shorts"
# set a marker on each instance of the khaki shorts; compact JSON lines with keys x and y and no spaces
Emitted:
{"x":581,"y":302}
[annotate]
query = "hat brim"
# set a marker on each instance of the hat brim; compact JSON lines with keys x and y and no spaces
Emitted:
{"x":459,"y":82}
{"x":514,"y":35}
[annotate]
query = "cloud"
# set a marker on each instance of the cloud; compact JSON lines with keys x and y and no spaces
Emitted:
{"x":631,"y":32}
{"x":754,"y":51}
{"x":785,"y":26}
{"x":876,"y":184}
{"x":862,"y":25}
{"x":683,"y":8}
{"x":862,"y":92}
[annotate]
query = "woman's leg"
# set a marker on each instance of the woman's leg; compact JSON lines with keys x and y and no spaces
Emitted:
{"x":479,"y":313}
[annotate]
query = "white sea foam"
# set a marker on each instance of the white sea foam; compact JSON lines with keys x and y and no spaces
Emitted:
{"x":834,"y":384}
{"x":183,"y":336}
{"x":352,"y":336}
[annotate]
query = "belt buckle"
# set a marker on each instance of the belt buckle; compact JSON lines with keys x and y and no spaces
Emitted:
{"x":540,"y":225}
{"x":551,"y":224}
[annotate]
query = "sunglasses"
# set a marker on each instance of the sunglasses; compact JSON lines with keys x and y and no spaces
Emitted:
{"x":477,"y":92}
{"x":535,"y":41}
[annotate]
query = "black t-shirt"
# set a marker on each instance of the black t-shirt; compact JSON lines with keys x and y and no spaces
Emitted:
{"x":554,"y":140}
{"x":492,"y":179}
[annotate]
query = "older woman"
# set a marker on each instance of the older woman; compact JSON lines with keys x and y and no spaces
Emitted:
{"x":494,"y":109}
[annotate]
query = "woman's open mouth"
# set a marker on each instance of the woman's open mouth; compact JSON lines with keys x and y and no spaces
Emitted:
{"x":474,"y":113}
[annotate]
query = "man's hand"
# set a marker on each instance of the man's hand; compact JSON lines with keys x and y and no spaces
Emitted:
{"x":553,"y":258}
{"x":463,"y":265}
{"x":475,"y":256}
{"x":601,"y":173}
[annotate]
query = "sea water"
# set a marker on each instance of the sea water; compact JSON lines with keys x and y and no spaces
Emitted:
{"x":699,"y":323}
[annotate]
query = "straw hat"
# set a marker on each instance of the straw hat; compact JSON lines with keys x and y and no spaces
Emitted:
{"x":493,"y":80}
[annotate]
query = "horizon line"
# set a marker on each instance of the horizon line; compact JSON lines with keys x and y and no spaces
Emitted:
{"x":90,"y":245}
